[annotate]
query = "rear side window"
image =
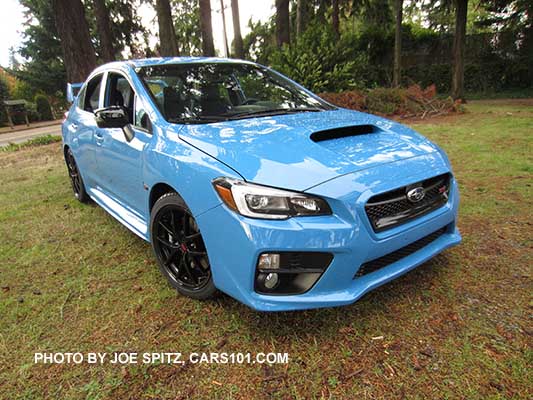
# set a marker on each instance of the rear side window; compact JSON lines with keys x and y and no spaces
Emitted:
{"x":92,"y":94}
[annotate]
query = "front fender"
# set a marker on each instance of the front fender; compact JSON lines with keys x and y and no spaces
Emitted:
{"x":186,"y":169}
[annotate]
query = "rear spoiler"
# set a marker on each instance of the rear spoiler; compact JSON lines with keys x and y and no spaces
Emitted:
{"x":72,"y":91}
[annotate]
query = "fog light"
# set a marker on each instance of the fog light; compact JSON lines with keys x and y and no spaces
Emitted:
{"x":268,"y":281}
{"x":268,"y":261}
{"x":287,"y":272}
{"x":271,"y":281}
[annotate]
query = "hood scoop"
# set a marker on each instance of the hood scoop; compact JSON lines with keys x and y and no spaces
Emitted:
{"x":343,"y":132}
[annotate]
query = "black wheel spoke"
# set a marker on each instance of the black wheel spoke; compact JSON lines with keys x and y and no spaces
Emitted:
{"x":166,"y":228}
{"x":171,"y":257}
{"x":188,"y":270}
{"x":190,"y":238}
{"x":167,"y":243}
{"x":175,"y":230}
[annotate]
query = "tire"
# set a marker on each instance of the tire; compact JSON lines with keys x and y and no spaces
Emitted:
{"x":78,"y":187}
{"x":179,"y":248}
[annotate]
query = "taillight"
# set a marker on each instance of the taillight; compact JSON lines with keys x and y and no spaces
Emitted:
{"x":65,"y":116}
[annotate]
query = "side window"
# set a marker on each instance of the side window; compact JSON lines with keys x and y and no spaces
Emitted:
{"x":119,"y":93}
{"x":92,"y":94}
{"x":142,"y":120}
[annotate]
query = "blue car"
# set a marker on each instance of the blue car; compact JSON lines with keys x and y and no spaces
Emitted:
{"x":245,"y":182}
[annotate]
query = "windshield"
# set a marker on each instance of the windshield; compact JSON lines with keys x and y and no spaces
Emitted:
{"x":210,"y":92}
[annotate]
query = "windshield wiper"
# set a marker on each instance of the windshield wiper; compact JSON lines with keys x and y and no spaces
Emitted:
{"x":273,"y":111}
{"x":200,"y":119}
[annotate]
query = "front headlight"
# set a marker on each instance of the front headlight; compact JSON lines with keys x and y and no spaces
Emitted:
{"x":264,"y":202}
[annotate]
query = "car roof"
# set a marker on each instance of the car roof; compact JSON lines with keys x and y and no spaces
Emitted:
{"x":145,"y":62}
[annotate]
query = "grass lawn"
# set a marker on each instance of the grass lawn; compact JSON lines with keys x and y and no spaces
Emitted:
{"x":73,"y":279}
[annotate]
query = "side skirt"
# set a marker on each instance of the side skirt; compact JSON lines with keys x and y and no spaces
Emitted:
{"x":125,"y":216}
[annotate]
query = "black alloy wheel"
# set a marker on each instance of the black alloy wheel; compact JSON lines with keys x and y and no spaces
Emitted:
{"x":75,"y":178}
{"x":179,"y":248}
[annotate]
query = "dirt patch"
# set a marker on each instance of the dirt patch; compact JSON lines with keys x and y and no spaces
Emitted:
{"x":33,"y":156}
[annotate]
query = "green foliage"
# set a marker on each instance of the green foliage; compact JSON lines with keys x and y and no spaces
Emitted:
{"x":33,"y":115}
{"x":384,"y":100}
{"x":43,"y":69}
{"x":43,"y":108}
{"x":186,"y":15}
{"x":22,"y":90}
{"x":38,"y":141}
{"x":259,"y":43}
{"x":126,"y":27}
{"x":494,"y":59}
{"x":374,"y":13}
{"x":361,"y":57}
{"x":319,"y":62}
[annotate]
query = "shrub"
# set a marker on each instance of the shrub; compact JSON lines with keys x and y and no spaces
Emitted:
{"x":43,"y":107}
{"x":411,"y":102}
{"x":22,"y":91}
{"x":320,"y":62}
{"x":351,"y":99}
{"x":385,"y":101}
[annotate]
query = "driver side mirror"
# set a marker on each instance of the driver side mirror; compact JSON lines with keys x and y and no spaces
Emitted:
{"x":114,"y":117}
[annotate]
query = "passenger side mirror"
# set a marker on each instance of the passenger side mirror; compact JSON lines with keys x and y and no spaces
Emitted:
{"x":114,"y":117}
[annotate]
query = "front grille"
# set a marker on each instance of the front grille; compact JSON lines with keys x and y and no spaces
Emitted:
{"x":393,"y":208}
{"x":397,"y":255}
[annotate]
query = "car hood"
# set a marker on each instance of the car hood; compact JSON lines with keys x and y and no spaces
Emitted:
{"x":286,"y":151}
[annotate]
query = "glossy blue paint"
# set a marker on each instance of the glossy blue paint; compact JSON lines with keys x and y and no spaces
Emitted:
{"x":275,"y":151}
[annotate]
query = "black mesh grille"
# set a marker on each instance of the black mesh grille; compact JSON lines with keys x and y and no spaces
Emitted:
{"x":392,"y":208}
{"x":397,"y":255}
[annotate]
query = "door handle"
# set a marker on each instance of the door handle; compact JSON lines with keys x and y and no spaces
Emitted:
{"x":74,"y":126}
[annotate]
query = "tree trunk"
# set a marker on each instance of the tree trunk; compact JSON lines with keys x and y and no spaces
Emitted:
{"x":282,"y":22}
{"x":302,"y":12}
{"x":461,"y":9}
{"x":206,"y":28}
{"x":238,"y":48}
{"x":103,"y":24}
{"x":78,"y":51}
{"x":168,"y":44}
{"x":335,"y":17}
{"x":225,"y":38}
{"x":397,"y":70}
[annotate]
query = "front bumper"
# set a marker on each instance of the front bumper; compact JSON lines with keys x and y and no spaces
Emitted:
{"x":234,"y":242}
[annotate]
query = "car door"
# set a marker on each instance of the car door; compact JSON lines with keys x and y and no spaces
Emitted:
{"x":120,"y":162}
{"x":82,"y":126}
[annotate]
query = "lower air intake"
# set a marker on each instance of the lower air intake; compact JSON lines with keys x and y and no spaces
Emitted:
{"x":397,"y":255}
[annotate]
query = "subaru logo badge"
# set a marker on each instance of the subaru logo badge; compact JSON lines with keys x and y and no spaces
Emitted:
{"x":416,"y":194}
